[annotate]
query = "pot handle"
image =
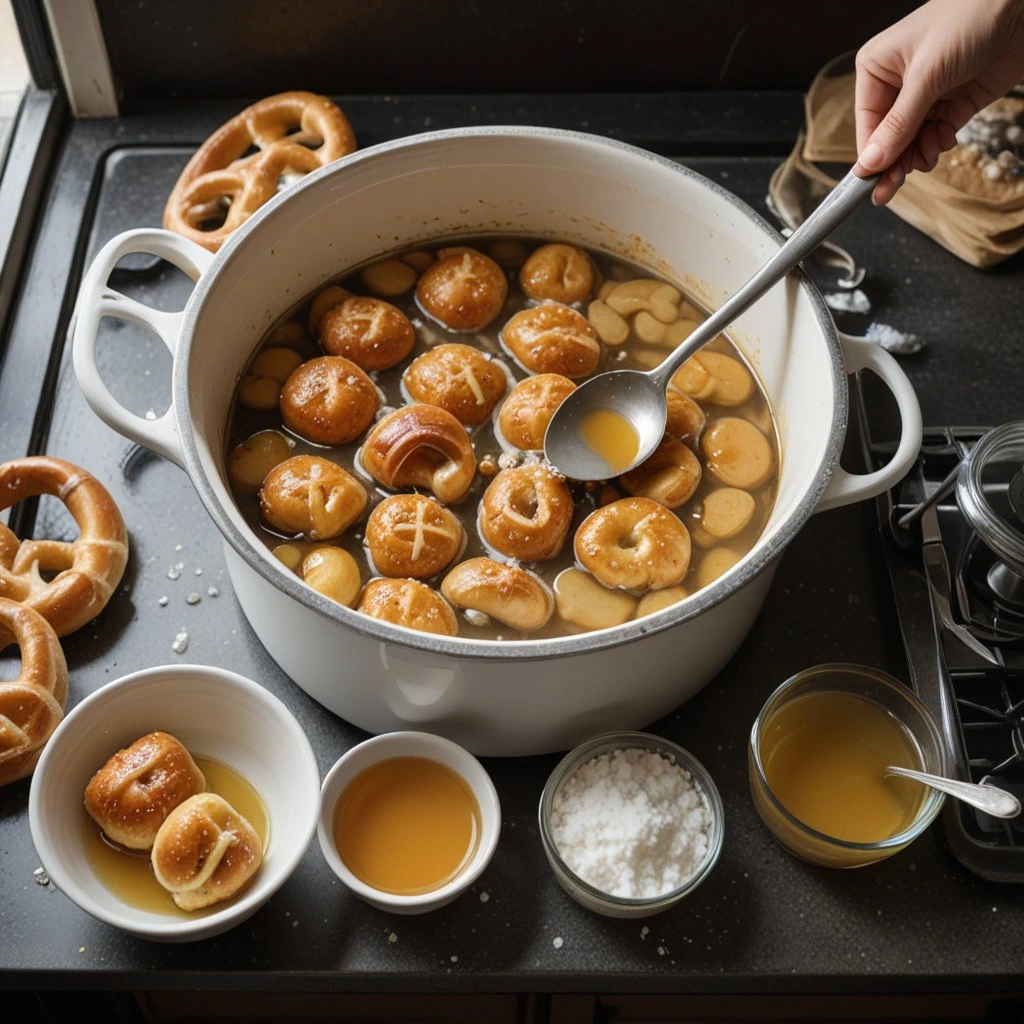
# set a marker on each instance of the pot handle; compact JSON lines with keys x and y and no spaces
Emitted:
{"x":96,"y":300}
{"x":845,"y":488}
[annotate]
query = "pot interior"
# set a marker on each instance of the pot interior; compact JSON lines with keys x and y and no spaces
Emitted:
{"x":534,"y":182}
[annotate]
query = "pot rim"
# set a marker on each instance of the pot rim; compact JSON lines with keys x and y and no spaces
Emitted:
{"x":760,"y":557}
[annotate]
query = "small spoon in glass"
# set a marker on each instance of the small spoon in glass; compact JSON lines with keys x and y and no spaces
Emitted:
{"x":631,"y":405}
{"x":990,"y":799}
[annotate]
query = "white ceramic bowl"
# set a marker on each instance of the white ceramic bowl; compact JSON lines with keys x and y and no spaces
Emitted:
{"x":411,"y":744}
{"x":216,"y":714}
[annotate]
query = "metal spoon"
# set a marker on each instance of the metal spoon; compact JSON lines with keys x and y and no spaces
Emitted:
{"x":640,"y":397}
{"x":990,"y":799}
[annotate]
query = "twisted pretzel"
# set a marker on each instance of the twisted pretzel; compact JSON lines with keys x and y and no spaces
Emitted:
{"x":294,"y":133}
{"x":88,"y":568}
{"x":32,"y":705}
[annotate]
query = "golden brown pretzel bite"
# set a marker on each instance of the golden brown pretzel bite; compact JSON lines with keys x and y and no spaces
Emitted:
{"x":32,"y":705}
{"x":328,"y":400}
{"x":458,"y":378}
{"x":87,"y":569}
{"x":205,"y":851}
{"x":409,"y":603}
{"x":131,"y":795}
{"x":559,"y":272}
{"x":507,"y":593}
{"x":464,"y":290}
{"x":220,"y":187}
{"x":527,"y":411}
{"x":371,"y":332}
{"x":421,"y":446}
{"x":526,"y":512}
{"x":634,"y":543}
{"x":410,"y":535}
{"x":312,"y":496}
{"x":553,"y":338}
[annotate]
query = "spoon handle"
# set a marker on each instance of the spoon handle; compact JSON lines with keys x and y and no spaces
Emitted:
{"x":831,"y":212}
{"x":990,"y":799}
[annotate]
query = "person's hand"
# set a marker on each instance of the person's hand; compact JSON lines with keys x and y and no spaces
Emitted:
{"x":924,"y":78}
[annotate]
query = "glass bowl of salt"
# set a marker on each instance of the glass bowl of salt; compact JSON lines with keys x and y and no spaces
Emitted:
{"x":631,"y":824}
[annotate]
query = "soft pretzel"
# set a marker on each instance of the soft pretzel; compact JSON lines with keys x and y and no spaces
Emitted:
{"x":294,"y":133}
{"x":88,"y":568}
{"x":32,"y":705}
{"x":526,"y":512}
{"x":421,"y":446}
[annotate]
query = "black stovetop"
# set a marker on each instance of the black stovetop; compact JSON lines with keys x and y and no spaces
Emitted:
{"x":763,"y":921}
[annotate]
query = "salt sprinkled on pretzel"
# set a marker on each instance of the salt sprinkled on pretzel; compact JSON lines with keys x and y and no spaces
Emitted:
{"x":87,"y":569}
{"x":221,"y":187}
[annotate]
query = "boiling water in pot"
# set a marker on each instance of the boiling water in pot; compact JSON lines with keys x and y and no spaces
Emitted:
{"x":633,"y":320}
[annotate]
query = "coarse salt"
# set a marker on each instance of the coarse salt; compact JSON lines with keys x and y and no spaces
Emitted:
{"x":631,"y":823}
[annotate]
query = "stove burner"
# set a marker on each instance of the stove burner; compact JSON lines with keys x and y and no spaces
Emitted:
{"x":957,"y":565}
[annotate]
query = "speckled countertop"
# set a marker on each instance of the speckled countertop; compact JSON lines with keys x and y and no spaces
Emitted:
{"x":763,"y":921}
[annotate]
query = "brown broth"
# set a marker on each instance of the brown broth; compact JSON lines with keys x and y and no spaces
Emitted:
{"x":243,"y":423}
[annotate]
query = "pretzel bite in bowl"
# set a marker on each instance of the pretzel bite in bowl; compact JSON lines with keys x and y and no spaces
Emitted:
{"x":553,"y":338}
{"x":458,"y":378}
{"x":234,"y":730}
{"x":463,"y":290}
{"x":421,"y":446}
{"x":527,"y":410}
{"x":507,"y":593}
{"x":526,"y":512}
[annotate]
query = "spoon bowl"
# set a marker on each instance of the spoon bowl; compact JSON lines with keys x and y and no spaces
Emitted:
{"x":639,"y":398}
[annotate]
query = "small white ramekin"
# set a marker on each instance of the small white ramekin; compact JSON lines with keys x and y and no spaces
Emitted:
{"x":214,"y":713}
{"x":411,"y":744}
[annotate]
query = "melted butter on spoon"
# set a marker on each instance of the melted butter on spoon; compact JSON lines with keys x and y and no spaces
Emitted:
{"x":609,"y":435}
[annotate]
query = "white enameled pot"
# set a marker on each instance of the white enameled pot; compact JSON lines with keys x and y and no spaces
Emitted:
{"x":493,"y":698}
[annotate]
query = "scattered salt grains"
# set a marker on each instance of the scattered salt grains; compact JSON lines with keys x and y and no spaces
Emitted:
{"x":892,"y":340}
{"x":180,"y":645}
{"x":557,"y":942}
{"x":213,"y":591}
{"x":392,"y":937}
{"x":42,"y":878}
{"x":848,"y":301}
{"x":199,"y":572}
{"x":631,"y":823}
{"x":173,"y":574}
{"x":484,"y":896}
{"x":163,"y":601}
{"x":193,"y":598}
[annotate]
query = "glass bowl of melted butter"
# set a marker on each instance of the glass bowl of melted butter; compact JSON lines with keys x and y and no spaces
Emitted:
{"x":817,"y":760}
{"x":408,"y":821}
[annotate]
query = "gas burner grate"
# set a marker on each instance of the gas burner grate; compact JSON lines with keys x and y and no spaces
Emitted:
{"x":965,"y":645}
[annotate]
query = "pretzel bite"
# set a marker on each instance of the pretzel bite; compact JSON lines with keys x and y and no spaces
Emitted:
{"x":457,"y":378}
{"x":261,"y":386}
{"x":32,"y":705}
{"x":738,"y":453}
{"x":409,"y":603}
{"x":205,"y":852}
{"x":634,"y":543}
{"x":311,"y":496}
{"x":421,"y":446}
{"x":507,"y":593}
{"x":526,"y":512}
{"x":328,"y":401}
{"x":410,"y":535}
{"x":131,"y":796}
{"x":553,"y":339}
{"x":559,"y":272}
{"x":527,"y":411}
{"x":464,"y":290}
{"x":669,"y":475}
{"x":685,"y":417}
{"x":251,"y":461}
{"x":371,"y":332}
